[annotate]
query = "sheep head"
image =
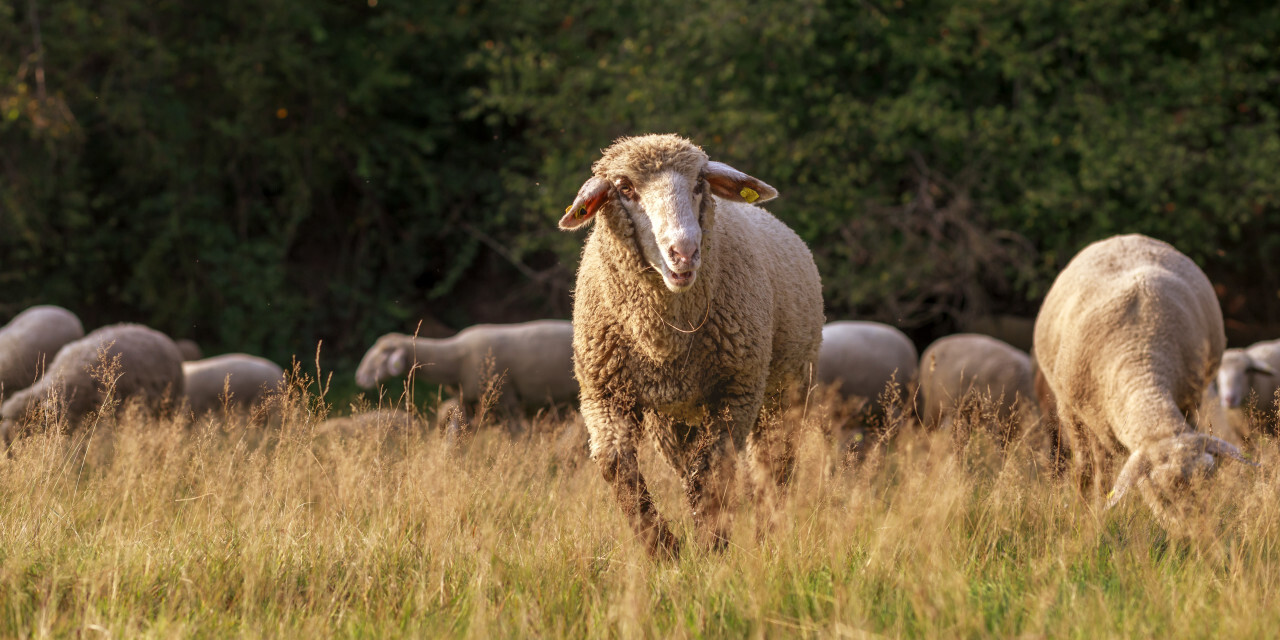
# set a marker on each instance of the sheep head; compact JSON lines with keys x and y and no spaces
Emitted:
{"x":1168,"y":470}
{"x":1234,"y":374}
{"x":389,"y":357}
{"x":662,"y":183}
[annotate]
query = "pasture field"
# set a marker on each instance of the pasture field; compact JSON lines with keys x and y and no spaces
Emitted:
{"x":143,"y":527}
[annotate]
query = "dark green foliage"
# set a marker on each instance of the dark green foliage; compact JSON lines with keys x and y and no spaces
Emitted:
{"x":263,"y":175}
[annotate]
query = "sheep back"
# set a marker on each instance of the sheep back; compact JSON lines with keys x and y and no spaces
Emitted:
{"x":150,"y":368}
{"x":248,"y":379}
{"x":956,"y":366}
{"x":861,"y":357}
{"x":29,"y":343}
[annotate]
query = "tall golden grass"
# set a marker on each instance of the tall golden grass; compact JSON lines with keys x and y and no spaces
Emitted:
{"x":137,"y":526}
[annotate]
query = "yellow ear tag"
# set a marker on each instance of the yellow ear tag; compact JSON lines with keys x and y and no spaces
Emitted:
{"x":749,"y":194}
{"x":582,"y":213}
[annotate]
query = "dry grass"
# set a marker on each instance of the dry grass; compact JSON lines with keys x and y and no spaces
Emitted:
{"x":153,"y":527}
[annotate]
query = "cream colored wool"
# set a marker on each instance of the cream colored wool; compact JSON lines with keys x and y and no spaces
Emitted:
{"x":864,"y":357}
{"x":150,"y":368}
{"x":696,"y":369}
{"x":233,"y":381}
{"x":30,"y":341}
{"x":969,"y":369}
{"x":1128,"y":338}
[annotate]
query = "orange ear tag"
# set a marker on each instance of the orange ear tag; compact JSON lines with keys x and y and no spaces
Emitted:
{"x":749,"y":194}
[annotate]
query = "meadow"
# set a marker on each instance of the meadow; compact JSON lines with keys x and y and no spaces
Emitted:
{"x":137,"y":526}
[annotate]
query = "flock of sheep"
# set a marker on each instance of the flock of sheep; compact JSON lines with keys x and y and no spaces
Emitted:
{"x":698,"y":318}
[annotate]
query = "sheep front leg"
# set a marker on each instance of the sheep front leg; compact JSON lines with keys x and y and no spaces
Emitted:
{"x":622,"y":470}
{"x":708,"y":486}
{"x":771,"y":451}
{"x":612,"y":446}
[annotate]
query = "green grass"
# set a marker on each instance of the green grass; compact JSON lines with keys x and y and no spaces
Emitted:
{"x":140,"y":527}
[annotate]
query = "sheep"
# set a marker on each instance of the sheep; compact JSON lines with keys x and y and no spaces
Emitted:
{"x":149,"y":368}
{"x":961,"y":372}
{"x":860,"y":360}
{"x":1245,"y":373}
{"x":30,"y":341}
{"x":1127,"y":339}
{"x":233,"y":381}
{"x":376,"y":421}
{"x":693,"y":316}
{"x":190,"y":350}
{"x":535,"y":360}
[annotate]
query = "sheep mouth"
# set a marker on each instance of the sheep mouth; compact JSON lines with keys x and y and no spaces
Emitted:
{"x":678,"y":282}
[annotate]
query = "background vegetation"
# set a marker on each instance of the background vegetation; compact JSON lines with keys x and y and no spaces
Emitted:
{"x":261,"y":175}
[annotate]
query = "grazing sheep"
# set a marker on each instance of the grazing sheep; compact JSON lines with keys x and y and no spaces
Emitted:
{"x":1250,"y":373}
{"x":862,"y":358}
{"x":190,"y":350}
{"x":535,"y":358}
{"x":234,"y":380}
{"x":960,"y":374}
{"x":692,"y":317}
{"x":149,"y":368}
{"x":1128,"y":337}
{"x":30,"y":341}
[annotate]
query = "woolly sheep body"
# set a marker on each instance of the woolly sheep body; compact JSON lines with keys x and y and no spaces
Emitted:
{"x":1128,"y":338}
{"x":535,"y":357}
{"x":861,"y":358}
{"x":969,"y":367}
{"x":29,"y":343}
{"x":150,"y":369}
{"x":698,"y":362}
{"x":190,"y":350}
{"x":244,"y":379}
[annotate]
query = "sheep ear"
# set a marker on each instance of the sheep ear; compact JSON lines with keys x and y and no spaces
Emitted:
{"x":593,"y":194}
{"x":1135,"y":472}
{"x":731,"y":184}
{"x":1219,"y":447}
{"x":1260,"y":368}
{"x":396,"y":363}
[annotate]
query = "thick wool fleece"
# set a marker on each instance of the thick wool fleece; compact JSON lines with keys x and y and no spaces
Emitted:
{"x":30,"y":341}
{"x":150,"y":369}
{"x":1128,"y":338}
{"x":694,"y":365}
{"x":958,"y":365}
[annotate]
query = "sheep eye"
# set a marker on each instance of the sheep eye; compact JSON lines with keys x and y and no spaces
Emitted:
{"x":626,"y":189}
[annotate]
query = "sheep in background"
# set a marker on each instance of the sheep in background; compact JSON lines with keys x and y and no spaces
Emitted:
{"x":1250,"y":373}
{"x":190,"y":350}
{"x":30,"y":341}
{"x":1129,"y":336}
{"x":236,"y":381}
{"x":694,"y":313}
{"x":534,"y":360}
{"x":150,"y":369}
{"x":860,"y":360}
{"x":963,"y":374}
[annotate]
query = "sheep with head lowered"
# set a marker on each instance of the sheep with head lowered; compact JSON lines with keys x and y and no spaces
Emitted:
{"x":30,"y":341}
{"x":694,"y":313}
{"x":234,"y":381}
{"x":533,"y":359}
{"x":142,"y":363}
{"x":982,"y":380}
{"x":1127,"y":339}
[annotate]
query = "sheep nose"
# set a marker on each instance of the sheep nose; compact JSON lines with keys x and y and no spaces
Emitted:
{"x":684,"y":254}
{"x":1230,"y":401}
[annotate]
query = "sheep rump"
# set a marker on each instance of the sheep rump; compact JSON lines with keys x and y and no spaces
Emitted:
{"x":234,"y":380}
{"x":960,"y":372}
{"x":29,"y":343}
{"x":695,"y":343}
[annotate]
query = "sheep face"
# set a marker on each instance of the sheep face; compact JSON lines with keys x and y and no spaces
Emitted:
{"x":1168,"y":470}
{"x":663,"y":183}
{"x":1234,"y":376}
{"x":667,"y":213}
